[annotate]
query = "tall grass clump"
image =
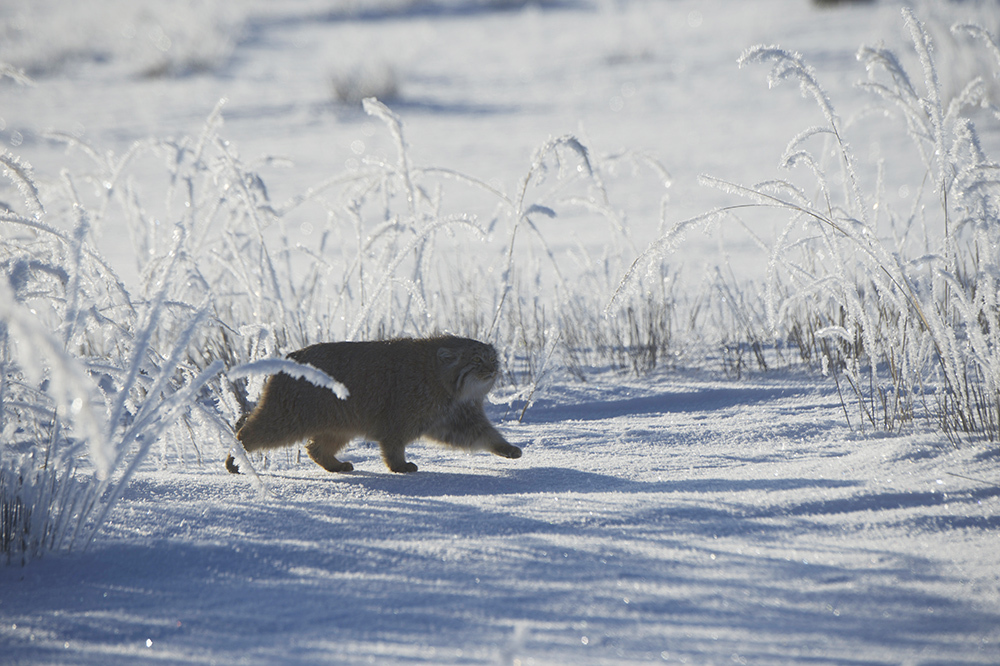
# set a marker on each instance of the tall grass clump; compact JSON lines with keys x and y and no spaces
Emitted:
{"x":899,"y":307}
{"x":93,"y":374}
{"x":86,"y":384}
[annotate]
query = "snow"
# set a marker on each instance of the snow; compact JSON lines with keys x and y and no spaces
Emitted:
{"x":676,"y":519}
{"x":681,"y":517}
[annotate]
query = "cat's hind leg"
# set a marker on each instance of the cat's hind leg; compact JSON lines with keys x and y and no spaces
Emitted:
{"x":323,"y":449}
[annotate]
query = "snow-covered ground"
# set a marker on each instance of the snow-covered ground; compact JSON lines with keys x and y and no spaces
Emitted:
{"x":682,"y":517}
{"x":675,"y":519}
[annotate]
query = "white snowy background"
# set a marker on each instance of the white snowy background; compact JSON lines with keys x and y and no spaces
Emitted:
{"x":691,"y":514}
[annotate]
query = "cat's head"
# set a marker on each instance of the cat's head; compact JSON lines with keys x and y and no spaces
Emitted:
{"x":468,"y":368}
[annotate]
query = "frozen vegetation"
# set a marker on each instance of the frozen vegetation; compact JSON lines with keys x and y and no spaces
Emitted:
{"x":752,"y":353}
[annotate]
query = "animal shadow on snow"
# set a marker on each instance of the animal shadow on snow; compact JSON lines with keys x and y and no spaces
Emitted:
{"x":559,"y":480}
{"x":702,"y":400}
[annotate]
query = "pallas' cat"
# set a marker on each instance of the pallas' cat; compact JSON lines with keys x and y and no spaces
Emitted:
{"x":400,"y":391}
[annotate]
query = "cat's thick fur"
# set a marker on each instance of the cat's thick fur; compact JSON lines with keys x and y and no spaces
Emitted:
{"x":400,"y":391}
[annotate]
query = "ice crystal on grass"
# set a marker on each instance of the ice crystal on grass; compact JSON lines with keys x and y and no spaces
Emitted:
{"x":20,"y":174}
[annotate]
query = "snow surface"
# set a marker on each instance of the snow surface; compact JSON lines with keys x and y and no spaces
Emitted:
{"x":678,"y":518}
{"x":675,"y":519}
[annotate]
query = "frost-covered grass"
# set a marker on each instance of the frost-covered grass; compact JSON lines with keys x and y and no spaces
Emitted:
{"x":905,"y":305}
{"x":88,"y":383}
{"x":899,"y":307}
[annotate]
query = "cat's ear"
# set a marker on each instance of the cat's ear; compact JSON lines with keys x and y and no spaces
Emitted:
{"x":448,"y":357}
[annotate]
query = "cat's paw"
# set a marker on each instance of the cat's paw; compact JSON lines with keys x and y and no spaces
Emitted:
{"x":508,"y":451}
